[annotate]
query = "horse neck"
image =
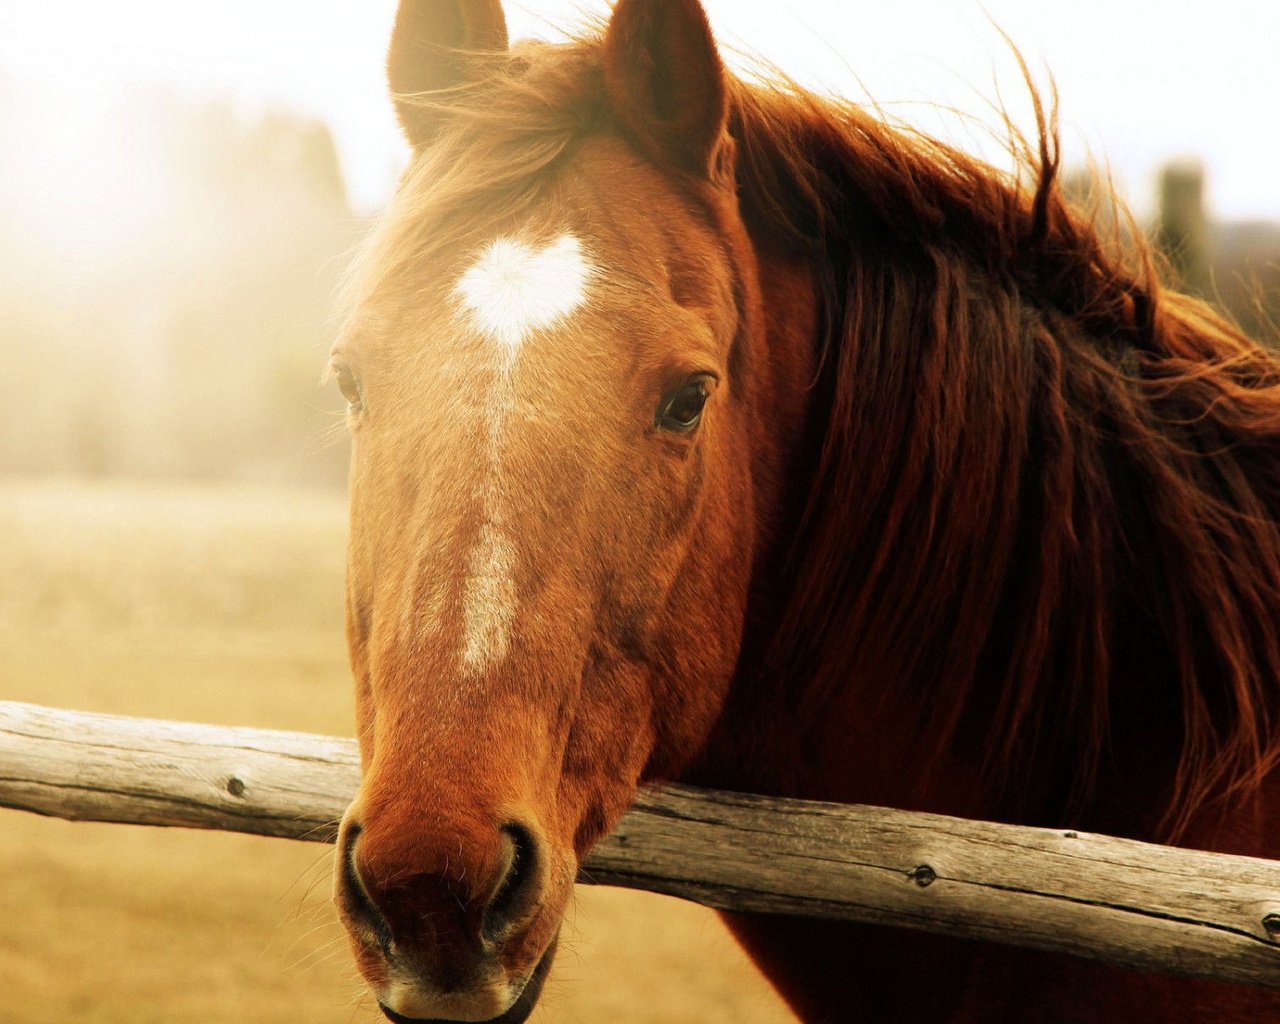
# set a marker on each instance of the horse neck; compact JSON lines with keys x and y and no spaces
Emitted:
{"x":988,"y":570}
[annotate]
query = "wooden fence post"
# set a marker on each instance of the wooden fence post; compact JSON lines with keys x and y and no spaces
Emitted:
{"x":1182,"y":228}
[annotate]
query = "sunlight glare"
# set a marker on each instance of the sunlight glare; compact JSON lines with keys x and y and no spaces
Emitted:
{"x":91,"y":173}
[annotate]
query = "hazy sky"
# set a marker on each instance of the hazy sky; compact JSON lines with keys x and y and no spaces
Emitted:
{"x":1140,"y":81}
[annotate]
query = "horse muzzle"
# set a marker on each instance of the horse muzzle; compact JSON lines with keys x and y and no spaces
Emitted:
{"x":517,"y":1013}
{"x":448,"y":923}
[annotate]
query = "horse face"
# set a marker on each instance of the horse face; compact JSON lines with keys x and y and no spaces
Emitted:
{"x":551,"y":515}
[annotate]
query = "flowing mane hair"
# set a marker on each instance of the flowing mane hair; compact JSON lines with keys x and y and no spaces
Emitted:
{"x":1042,"y":503}
{"x":1044,"y":509}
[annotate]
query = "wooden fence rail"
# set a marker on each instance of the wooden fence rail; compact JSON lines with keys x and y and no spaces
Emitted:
{"x":1129,"y":903}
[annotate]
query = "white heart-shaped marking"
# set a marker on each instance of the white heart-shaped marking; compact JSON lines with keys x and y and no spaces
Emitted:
{"x":514,"y":289}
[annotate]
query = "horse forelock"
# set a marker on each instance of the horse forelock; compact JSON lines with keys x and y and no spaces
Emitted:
{"x":494,"y":157}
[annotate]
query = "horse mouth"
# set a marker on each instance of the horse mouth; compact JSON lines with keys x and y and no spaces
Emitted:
{"x":518,"y":1012}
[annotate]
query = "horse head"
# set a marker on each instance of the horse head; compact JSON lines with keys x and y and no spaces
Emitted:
{"x":566,"y":444}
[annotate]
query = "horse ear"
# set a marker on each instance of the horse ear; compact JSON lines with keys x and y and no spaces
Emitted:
{"x":434,"y":46}
{"x":666,"y":82}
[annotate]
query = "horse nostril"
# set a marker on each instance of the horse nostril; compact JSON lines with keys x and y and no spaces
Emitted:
{"x":515,"y":894}
{"x":355,"y":896}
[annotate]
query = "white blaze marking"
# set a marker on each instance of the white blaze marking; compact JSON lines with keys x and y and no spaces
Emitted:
{"x":491,"y":597}
{"x":510,"y":292}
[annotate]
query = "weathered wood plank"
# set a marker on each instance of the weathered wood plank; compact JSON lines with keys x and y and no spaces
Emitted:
{"x":1134,"y":904}
{"x":87,"y":767}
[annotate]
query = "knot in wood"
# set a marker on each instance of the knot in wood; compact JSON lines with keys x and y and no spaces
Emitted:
{"x":1271,"y":922}
{"x":235,"y":786}
{"x":923,"y":875}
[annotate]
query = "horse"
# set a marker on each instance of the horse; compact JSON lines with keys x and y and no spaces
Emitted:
{"x":712,"y":430}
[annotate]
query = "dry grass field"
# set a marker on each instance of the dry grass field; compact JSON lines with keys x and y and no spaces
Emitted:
{"x":222,"y":606}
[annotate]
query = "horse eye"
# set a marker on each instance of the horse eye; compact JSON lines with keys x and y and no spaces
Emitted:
{"x":680,"y":410}
{"x":349,"y":386}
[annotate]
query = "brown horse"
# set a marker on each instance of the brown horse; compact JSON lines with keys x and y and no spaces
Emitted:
{"x":719,"y":432}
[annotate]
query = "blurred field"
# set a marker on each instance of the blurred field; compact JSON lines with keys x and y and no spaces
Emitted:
{"x":224,"y":606}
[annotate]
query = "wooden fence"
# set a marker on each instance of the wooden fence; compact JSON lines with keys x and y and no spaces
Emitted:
{"x":1128,"y":903}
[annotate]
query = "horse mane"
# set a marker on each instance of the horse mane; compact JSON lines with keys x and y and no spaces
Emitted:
{"x":1044,"y":501}
{"x":1044,"y":487}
